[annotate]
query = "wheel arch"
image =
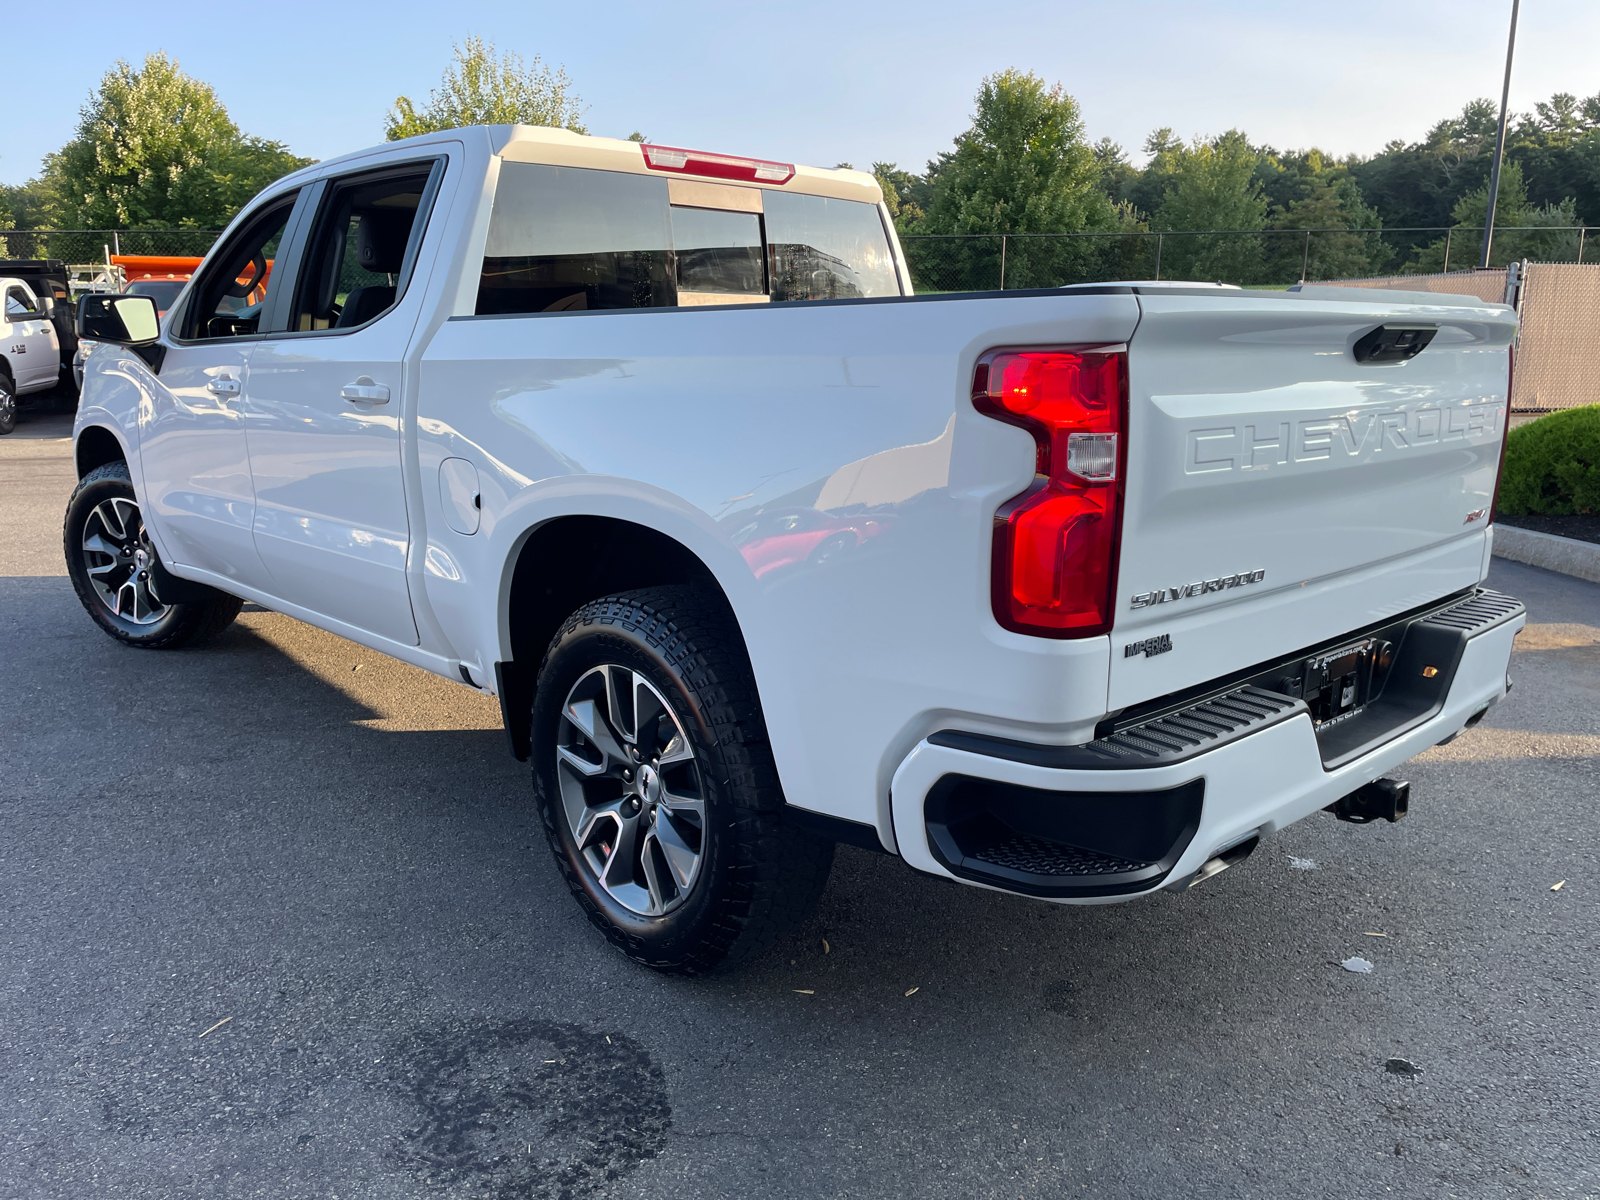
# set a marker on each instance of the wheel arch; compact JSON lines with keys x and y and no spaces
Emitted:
{"x":562,"y":564}
{"x":96,"y":445}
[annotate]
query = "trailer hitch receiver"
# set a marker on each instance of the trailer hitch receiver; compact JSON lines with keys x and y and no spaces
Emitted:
{"x":1388,"y":799}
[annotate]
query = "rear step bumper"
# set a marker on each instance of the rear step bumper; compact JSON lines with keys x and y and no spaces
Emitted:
{"x":1158,"y":797}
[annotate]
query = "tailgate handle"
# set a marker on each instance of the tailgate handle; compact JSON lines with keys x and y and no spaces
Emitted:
{"x":1393,"y":343}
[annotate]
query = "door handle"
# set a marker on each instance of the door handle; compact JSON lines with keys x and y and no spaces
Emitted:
{"x":365,"y":391}
{"x":223,"y":385}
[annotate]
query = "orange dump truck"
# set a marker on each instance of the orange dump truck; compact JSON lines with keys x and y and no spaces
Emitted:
{"x":163,"y":276}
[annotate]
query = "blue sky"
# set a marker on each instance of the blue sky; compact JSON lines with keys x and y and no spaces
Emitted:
{"x":823,"y":81}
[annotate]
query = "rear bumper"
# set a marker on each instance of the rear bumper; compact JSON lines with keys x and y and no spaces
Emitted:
{"x":1268,"y":772}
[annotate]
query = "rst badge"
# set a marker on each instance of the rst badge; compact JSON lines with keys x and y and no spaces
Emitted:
{"x":1199,"y":588}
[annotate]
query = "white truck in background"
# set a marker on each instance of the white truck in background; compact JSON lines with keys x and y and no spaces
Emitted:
{"x":30,"y":351}
{"x":1076,"y":594}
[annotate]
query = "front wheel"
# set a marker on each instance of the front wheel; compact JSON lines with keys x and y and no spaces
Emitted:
{"x":8,"y":404}
{"x":117,"y":575}
{"x":657,"y":787}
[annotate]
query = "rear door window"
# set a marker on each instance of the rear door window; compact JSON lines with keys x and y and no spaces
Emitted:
{"x":360,"y":254}
{"x":824,"y":249}
{"x":565,"y":238}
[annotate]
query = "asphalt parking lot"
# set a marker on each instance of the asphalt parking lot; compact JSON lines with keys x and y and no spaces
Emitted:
{"x":276,"y":920}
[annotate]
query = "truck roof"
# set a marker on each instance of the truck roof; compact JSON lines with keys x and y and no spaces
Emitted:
{"x":563,"y":148}
{"x":32,"y":266}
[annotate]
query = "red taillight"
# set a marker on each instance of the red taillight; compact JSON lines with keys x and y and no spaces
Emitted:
{"x":1055,"y":545}
{"x":715,"y":166}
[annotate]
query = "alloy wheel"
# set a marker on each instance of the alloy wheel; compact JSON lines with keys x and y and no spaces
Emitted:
{"x":631,"y":790}
{"x":120,"y":559}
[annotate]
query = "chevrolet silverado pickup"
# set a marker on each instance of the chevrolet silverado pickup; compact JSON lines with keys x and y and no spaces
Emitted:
{"x":1076,"y":594}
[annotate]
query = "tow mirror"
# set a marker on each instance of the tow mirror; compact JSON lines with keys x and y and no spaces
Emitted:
{"x":125,"y":320}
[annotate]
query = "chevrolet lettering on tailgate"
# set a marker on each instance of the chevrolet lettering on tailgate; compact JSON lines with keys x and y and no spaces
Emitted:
{"x":1286,"y":444}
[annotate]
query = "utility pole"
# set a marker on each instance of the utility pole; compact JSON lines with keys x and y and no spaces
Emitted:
{"x":1499,"y":144}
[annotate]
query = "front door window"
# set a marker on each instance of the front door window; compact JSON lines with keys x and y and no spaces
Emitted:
{"x":230,"y":297}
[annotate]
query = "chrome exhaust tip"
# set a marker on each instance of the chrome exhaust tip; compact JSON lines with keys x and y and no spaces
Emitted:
{"x":1218,"y":863}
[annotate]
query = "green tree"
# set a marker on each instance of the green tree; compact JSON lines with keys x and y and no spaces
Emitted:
{"x":1585,"y":179}
{"x":1145,"y":190}
{"x":1561,"y":118}
{"x":1558,"y":146}
{"x":1520,"y":227}
{"x":1418,"y":184}
{"x":25,"y":203}
{"x":484,"y":87}
{"x":902,"y":194}
{"x":1023,"y":167}
{"x":1211,"y":185}
{"x":155,"y":149}
{"x":1421,"y":184}
{"x":1330,"y":204}
{"x":1117,"y":174}
{"x":1310,"y":190}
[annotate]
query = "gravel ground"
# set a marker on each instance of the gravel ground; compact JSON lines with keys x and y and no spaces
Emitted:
{"x":276,"y":920}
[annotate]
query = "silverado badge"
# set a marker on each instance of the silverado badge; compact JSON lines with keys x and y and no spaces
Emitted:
{"x":1198,"y":588}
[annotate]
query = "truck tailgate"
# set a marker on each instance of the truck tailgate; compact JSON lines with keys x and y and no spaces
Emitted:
{"x":1279,"y":493}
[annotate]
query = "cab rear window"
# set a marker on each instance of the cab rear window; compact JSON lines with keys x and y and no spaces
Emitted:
{"x":572,"y":238}
{"x":822,"y":249}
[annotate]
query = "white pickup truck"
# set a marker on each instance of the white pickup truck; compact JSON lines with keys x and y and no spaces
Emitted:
{"x":30,"y":353}
{"x":1075,"y":594}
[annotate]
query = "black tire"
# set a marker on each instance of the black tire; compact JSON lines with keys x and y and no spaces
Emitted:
{"x":757,"y":874}
{"x":162,"y":626}
{"x":8,"y":403}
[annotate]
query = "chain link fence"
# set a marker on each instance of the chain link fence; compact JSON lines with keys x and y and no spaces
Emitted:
{"x":86,"y":246}
{"x":1000,"y":262}
{"x":1250,"y":258}
{"x":1558,"y":310}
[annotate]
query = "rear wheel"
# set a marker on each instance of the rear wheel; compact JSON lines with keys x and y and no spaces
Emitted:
{"x":657,"y":787}
{"x":118,"y":576}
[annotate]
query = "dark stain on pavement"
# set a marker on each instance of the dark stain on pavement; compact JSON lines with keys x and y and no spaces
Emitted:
{"x":529,"y":1108}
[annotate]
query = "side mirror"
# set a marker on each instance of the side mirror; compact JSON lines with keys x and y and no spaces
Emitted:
{"x":125,"y":320}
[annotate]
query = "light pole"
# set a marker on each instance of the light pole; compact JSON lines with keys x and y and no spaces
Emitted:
{"x":1499,"y":144}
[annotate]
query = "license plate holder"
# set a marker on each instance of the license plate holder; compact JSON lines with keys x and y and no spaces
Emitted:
{"x":1337,"y":684}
